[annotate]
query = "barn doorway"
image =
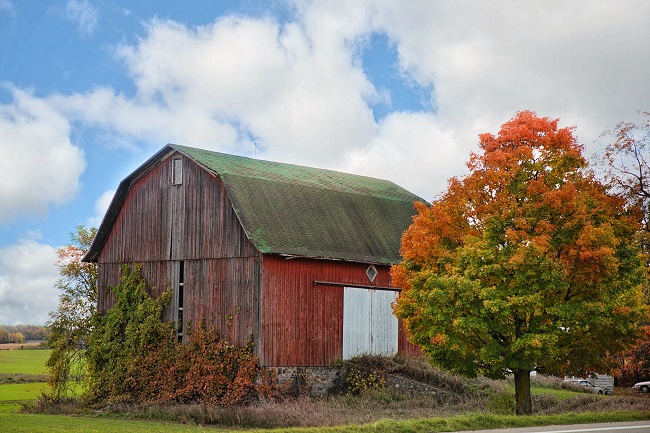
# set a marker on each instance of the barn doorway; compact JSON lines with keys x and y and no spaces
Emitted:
{"x":369,"y":325}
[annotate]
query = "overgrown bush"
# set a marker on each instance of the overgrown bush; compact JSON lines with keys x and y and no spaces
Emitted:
{"x":366,"y":373}
{"x":206,"y":370}
{"x":121,"y":338}
{"x":132,"y":355}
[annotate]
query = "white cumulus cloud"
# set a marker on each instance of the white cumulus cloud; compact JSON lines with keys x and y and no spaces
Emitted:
{"x":27,"y":277}
{"x":39,"y":164}
{"x":298,"y":89}
{"x":101,"y":206}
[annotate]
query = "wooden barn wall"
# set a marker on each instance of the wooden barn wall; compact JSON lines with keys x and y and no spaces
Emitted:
{"x":302,"y":323}
{"x":405,"y":347}
{"x":224,"y":293}
{"x":161,"y":224}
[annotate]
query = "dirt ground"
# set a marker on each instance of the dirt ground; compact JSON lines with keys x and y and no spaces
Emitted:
{"x":12,"y":346}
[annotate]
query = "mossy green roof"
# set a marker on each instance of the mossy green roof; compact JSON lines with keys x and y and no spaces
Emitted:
{"x":309,"y":212}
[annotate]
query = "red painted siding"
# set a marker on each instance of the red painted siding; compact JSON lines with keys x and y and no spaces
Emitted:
{"x":302,"y":323}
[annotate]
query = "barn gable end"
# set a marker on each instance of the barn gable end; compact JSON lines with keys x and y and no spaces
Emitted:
{"x":165,"y":226}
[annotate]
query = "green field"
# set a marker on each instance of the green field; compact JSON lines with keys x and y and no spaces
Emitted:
{"x":29,"y":364}
{"x":23,"y":361}
{"x":68,"y":424}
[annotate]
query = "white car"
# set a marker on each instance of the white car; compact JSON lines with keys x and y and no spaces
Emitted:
{"x":582,"y":382}
{"x":642,"y":386}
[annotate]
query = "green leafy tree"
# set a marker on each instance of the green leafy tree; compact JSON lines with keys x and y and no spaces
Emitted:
{"x":4,"y":335}
{"x":70,"y":324}
{"x":16,"y":337}
{"x":527,"y":263}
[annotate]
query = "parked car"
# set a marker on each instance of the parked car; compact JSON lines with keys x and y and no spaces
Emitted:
{"x":642,"y":386}
{"x":583,"y":382}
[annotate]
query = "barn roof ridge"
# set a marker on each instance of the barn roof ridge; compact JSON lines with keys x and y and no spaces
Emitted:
{"x":225,"y":165}
{"x":295,"y":210}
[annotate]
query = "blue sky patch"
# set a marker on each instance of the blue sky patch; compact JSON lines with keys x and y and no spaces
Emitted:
{"x":381,"y":65}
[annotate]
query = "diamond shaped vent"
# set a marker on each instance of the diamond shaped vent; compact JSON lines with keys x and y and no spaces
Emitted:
{"x":372,"y":272}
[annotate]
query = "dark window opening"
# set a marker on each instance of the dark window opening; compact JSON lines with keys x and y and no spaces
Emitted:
{"x":181,"y":277}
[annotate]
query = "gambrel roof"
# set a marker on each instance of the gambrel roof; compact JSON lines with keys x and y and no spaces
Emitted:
{"x":298,"y":211}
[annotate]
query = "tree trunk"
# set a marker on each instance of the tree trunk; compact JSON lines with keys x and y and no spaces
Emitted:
{"x":522,"y":392}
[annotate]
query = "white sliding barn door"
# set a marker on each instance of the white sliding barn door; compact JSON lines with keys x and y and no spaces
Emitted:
{"x":369,"y":325}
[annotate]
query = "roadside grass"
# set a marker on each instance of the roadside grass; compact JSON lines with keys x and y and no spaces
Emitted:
{"x":24,"y":423}
{"x":474,"y":421}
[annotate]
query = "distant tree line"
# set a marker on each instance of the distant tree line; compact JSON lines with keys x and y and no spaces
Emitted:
{"x":21,"y":333}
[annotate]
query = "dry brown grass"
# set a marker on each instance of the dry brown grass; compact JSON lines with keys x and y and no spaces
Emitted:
{"x":20,"y":346}
{"x":304,"y":412}
{"x":6,"y":378}
{"x":444,"y":395}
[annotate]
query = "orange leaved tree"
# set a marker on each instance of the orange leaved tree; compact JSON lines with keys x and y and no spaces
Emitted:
{"x":527,"y":263}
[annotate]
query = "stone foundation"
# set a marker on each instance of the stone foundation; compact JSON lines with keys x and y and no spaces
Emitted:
{"x":320,"y":381}
{"x":310,"y":381}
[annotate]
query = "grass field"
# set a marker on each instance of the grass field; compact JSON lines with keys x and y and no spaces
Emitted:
{"x":23,"y":361}
{"x":29,"y":366}
{"x":31,"y":363}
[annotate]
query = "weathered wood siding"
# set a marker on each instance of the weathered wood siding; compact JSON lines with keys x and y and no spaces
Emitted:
{"x":161,"y":221}
{"x":302,"y":323}
{"x":162,"y":224}
{"x":224,"y":292}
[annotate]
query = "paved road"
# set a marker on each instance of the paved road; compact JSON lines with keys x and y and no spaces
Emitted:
{"x":614,"y":427}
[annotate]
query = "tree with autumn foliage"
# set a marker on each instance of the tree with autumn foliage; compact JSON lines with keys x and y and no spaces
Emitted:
{"x":70,"y":324}
{"x":634,"y":363}
{"x":527,"y":263}
{"x":625,"y":163}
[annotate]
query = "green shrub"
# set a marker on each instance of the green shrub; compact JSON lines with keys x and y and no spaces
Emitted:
{"x":121,"y":339}
{"x":132,"y":355}
{"x":501,"y":403}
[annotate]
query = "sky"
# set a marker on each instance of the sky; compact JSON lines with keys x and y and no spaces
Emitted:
{"x":393,"y":89}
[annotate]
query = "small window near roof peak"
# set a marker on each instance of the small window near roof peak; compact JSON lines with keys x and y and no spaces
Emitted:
{"x":177,"y":171}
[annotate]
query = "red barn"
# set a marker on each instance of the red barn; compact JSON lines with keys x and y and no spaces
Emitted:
{"x":296,"y":257}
